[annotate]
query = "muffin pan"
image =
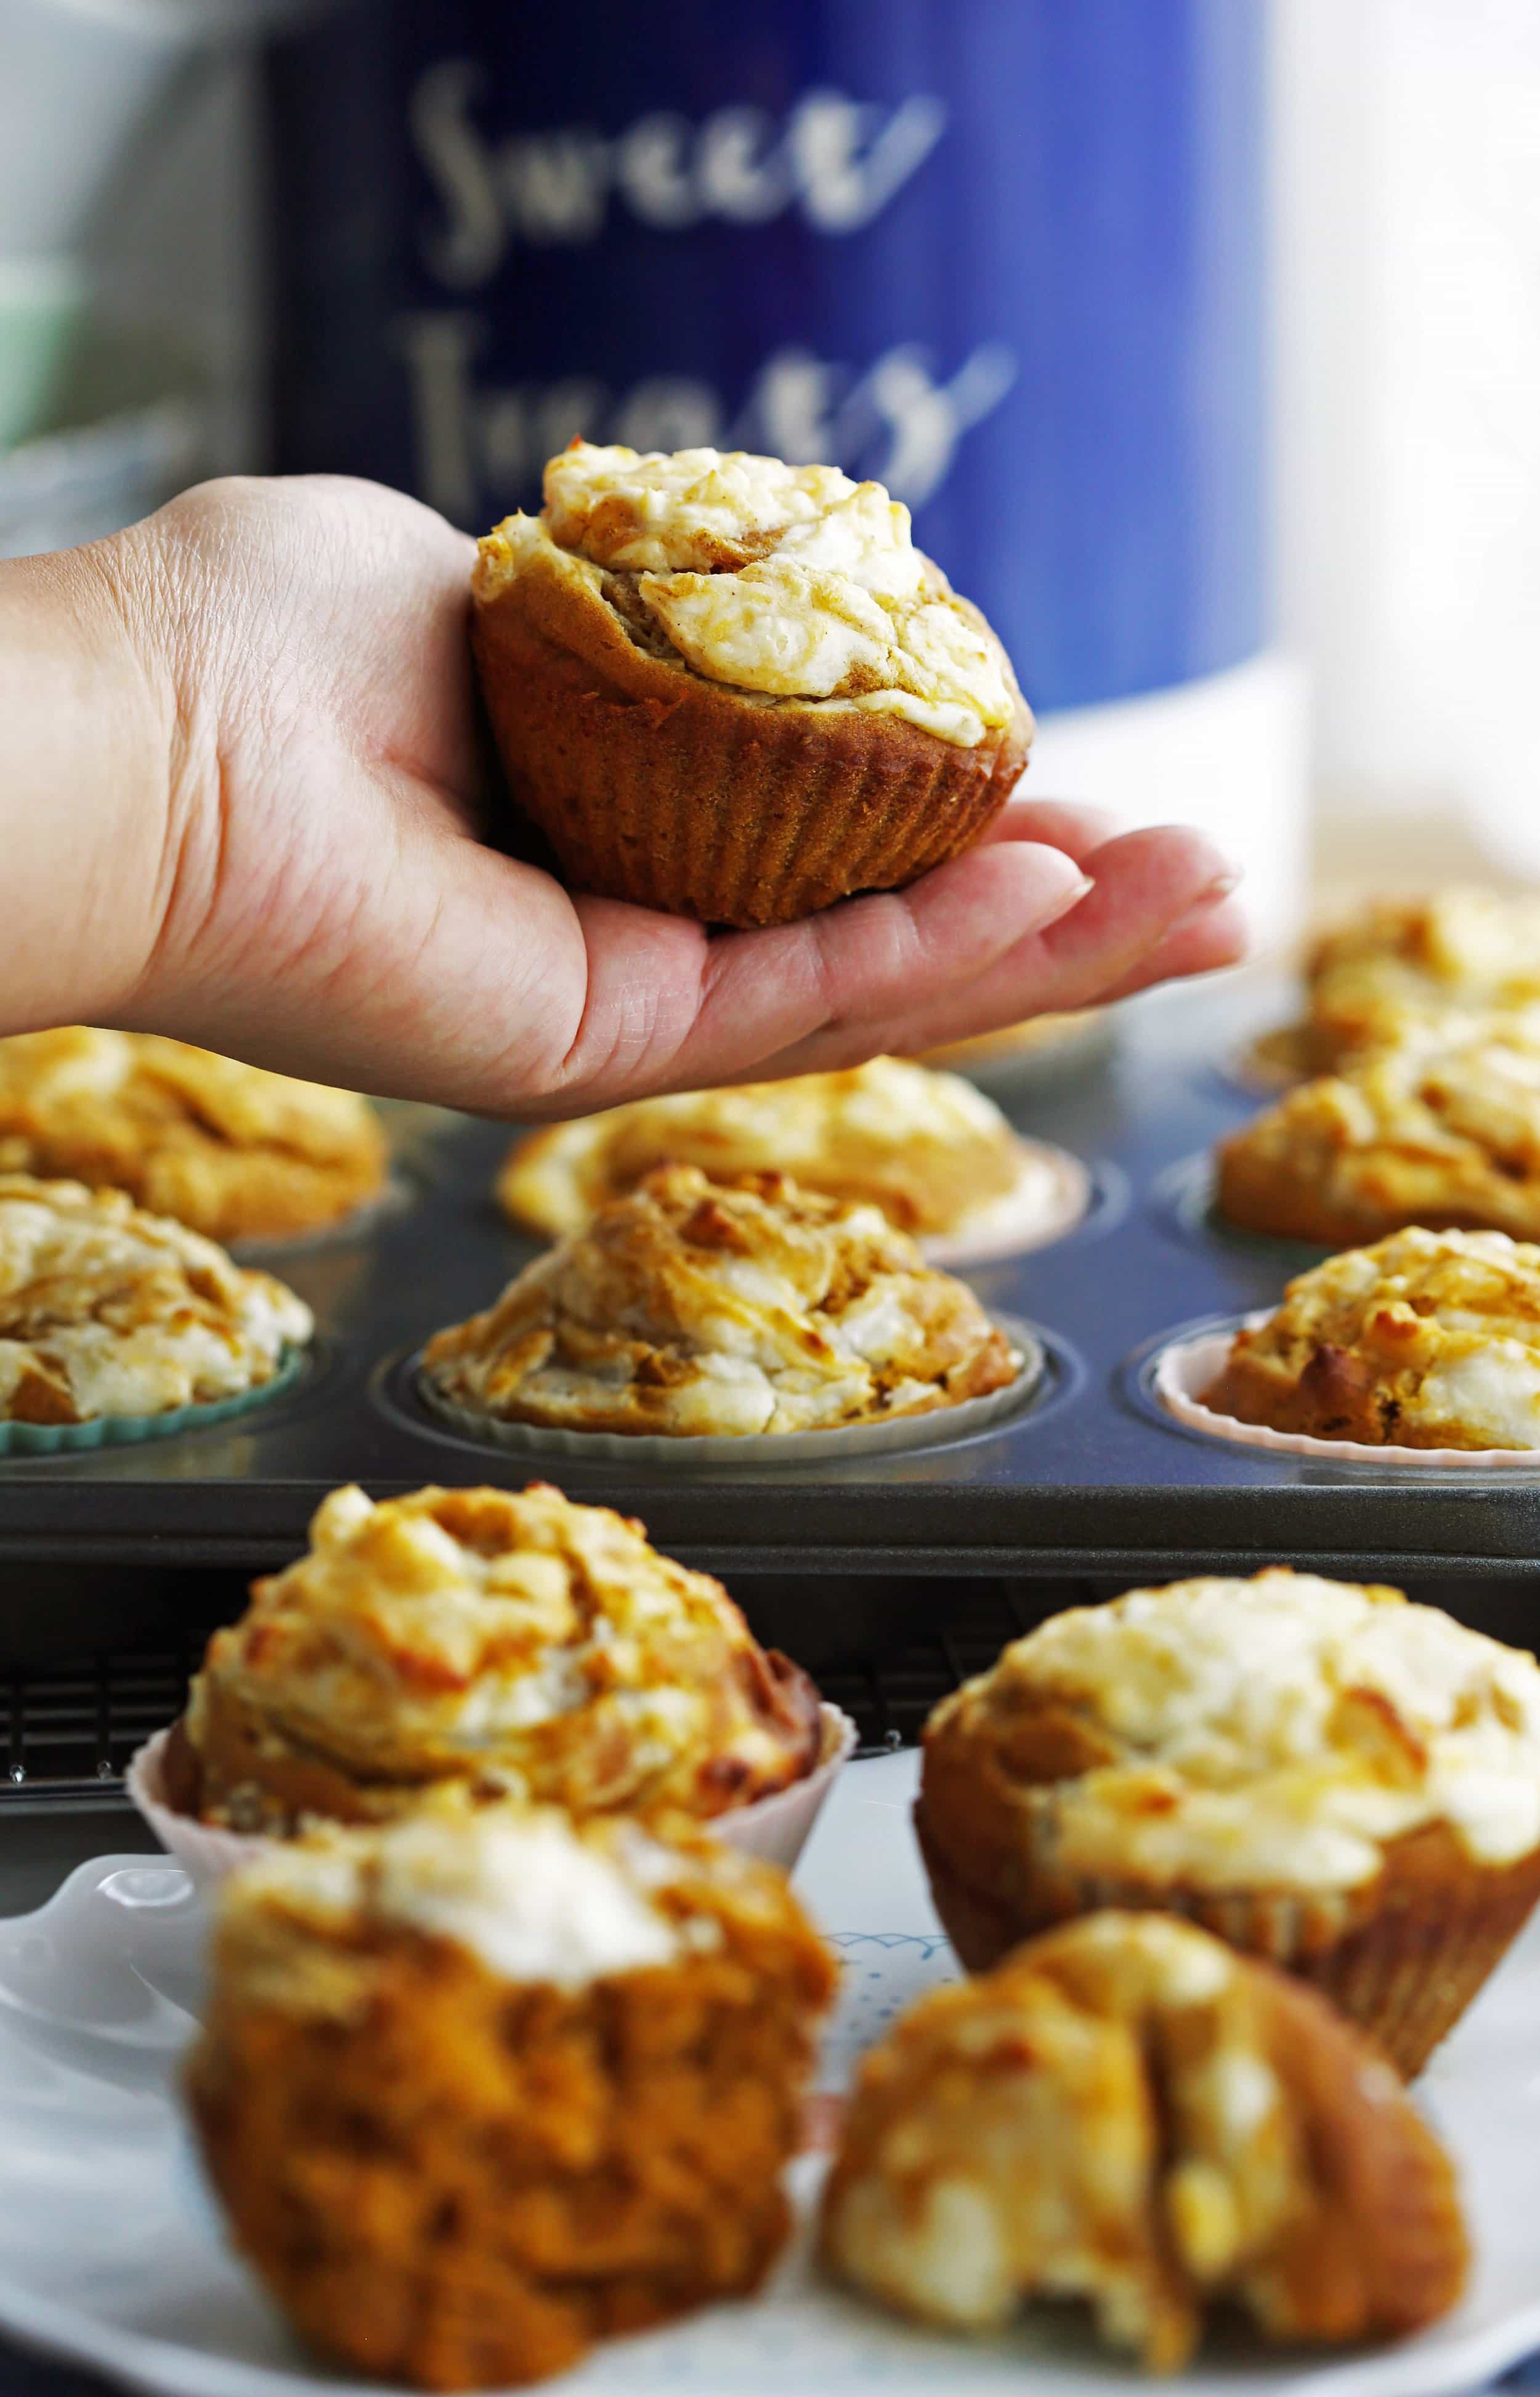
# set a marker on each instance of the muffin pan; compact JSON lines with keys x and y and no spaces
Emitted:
{"x":1087,"y":1477}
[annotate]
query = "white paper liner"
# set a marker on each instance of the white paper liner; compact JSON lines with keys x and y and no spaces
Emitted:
{"x":1189,"y":1366}
{"x":752,"y":1448}
{"x":774,"y":1828}
{"x":1051,"y":1195}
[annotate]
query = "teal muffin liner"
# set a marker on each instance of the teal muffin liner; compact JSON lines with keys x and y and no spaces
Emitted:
{"x":130,"y":1431}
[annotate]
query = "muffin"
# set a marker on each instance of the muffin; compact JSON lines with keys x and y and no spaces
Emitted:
{"x":695,"y":1308}
{"x":1039,"y":1041}
{"x":733,"y":689}
{"x":512,"y":1642}
{"x":1446,"y":959}
{"x":236,"y":1153}
{"x":1321,"y":1773}
{"x":477,"y":2090}
{"x":1442,"y":1130}
{"x":109,"y":1312}
{"x":1128,"y":2112}
{"x":932,"y":1152}
{"x":1425,"y":1340}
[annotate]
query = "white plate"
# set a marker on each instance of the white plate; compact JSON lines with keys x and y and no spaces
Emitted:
{"x":111,"y":2253}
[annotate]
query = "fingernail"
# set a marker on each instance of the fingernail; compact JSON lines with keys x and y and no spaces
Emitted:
{"x":1069,"y":897}
{"x":1228,"y":879}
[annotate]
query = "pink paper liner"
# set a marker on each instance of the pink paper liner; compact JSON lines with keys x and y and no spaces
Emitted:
{"x":1188,"y":1366}
{"x":1028,"y":1217}
{"x":774,"y":1828}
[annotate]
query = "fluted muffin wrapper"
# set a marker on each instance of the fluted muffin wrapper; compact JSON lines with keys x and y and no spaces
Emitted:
{"x":1037,"y":1211}
{"x":1188,"y":1366}
{"x":749,"y":1449}
{"x":775,"y":1829}
{"x":1402,"y":1958}
{"x":129,"y":1431}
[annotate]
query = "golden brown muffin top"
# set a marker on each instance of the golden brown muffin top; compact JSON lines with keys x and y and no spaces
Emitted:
{"x":1401,"y":961}
{"x":1437,"y":1333}
{"x":106,"y":1310}
{"x":191,"y":1134}
{"x":782,"y":582}
{"x":530,"y":1896}
{"x":692,"y":1306}
{"x":928,"y":1149}
{"x":515,"y":1640}
{"x":1109,"y":2114}
{"x":1271,"y":1733}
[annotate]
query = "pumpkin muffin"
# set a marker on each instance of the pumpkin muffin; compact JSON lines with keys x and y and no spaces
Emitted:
{"x":233,"y":1151}
{"x":733,"y":689}
{"x":1442,"y":1130}
{"x":1425,"y":1340}
{"x":1128,"y":2112}
{"x":479,"y":2090}
{"x":1319,"y":1773}
{"x":695,"y":1308}
{"x":932,"y":1152}
{"x":509,"y":1642}
{"x":107,"y":1312}
{"x":1446,"y":960}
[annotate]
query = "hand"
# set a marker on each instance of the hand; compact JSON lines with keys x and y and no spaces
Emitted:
{"x":288,"y":868}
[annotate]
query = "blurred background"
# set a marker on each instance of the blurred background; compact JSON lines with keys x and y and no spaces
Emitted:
{"x":1201,"y":336}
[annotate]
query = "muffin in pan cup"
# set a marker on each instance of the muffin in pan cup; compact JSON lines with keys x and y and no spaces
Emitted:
{"x":938,"y":1157}
{"x":693,"y":1308}
{"x":733,"y":689}
{"x":119,"y":1326}
{"x":231,"y":1150}
{"x":1320,"y":1774}
{"x":514,"y":1644}
{"x":479,"y":2089}
{"x":1128,"y":2112}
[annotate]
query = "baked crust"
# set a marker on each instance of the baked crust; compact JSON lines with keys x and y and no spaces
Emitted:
{"x":1441,"y":1132}
{"x":1424,"y":1340}
{"x":657,"y":785}
{"x":509,"y":1642}
{"x":1128,"y":2112}
{"x":233,"y":1151}
{"x":1286,"y":1761}
{"x":106,"y":1310}
{"x":1400,"y":964}
{"x":926,"y":1148}
{"x":459,"y":2179}
{"x":693,"y":1307}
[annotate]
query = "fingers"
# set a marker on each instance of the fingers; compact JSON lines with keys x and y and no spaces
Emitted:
{"x":1078,"y":831}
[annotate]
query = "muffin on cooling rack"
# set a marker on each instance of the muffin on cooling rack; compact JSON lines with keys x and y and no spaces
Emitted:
{"x":1321,"y":1773}
{"x":1442,"y":1131}
{"x":510,"y":1641}
{"x":694,"y":1306}
{"x":733,"y":689}
{"x":108,"y":1312}
{"x":1425,"y":1340}
{"x":932,"y":1152}
{"x":1128,"y":2112}
{"x":479,"y":2089}
{"x":236,"y":1152}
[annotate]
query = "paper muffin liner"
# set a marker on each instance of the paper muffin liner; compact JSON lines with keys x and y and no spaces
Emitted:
{"x":128,"y":1431}
{"x":775,"y":1829}
{"x":1402,"y":1958}
{"x":1042,"y":1206}
{"x":1188,"y":1366}
{"x":751,"y":1449}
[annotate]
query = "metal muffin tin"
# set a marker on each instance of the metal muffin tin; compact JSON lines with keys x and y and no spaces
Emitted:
{"x":1086,"y":1478}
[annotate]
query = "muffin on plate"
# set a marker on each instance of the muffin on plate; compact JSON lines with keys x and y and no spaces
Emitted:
{"x":1424,"y":1340}
{"x":477,"y":2090}
{"x":1321,"y":1774}
{"x":1128,"y":2112}
{"x":510,"y":1641}
{"x":1442,"y":1131}
{"x":108,"y":1312}
{"x":733,"y":689}
{"x":932,"y":1152}
{"x":695,"y":1308}
{"x":233,"y":1151}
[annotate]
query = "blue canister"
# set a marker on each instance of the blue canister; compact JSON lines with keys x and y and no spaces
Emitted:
{"x":1007,"y":256}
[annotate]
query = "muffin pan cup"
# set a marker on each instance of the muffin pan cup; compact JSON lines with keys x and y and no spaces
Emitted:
{"x":775,"y":1829}
{"x":132,"y":1431}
